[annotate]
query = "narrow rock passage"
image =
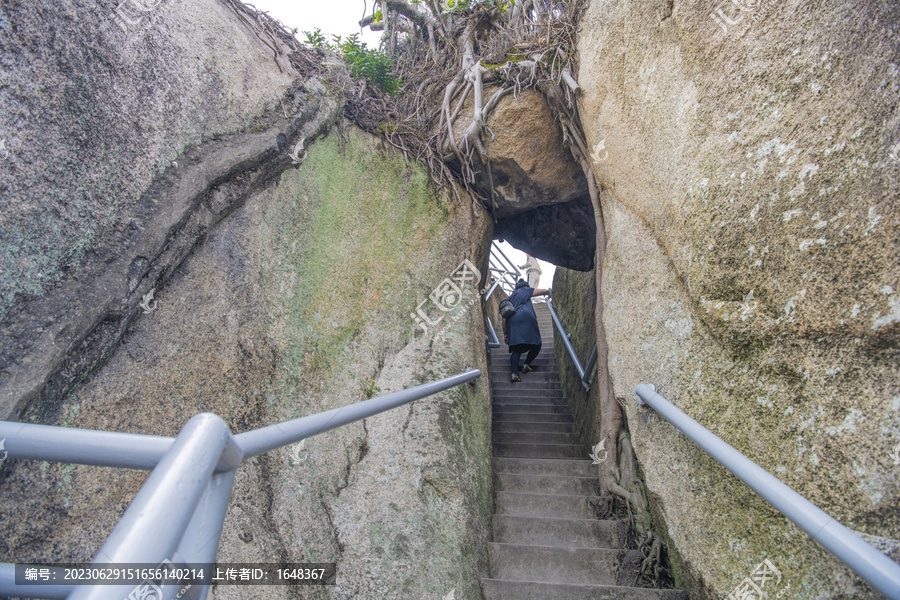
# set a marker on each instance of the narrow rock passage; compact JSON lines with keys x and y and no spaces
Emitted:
{"x":547,"y":543}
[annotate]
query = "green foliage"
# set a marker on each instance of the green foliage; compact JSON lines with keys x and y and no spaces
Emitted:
{"x":370,"y":389}
{"x":464,"y":5}
{"x":372,"y":65}
{"x":316,"y":39}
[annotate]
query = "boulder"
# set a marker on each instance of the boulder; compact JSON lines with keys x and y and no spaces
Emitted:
{"x":749,"y":167}
{"x":278,"y":290}
{"x":541,"y":202}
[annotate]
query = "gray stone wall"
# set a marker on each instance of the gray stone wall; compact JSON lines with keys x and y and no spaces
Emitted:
{"x":749,"y":170}
{"x":158,"y":157}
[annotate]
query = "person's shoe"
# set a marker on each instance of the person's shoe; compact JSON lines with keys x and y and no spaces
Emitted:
{"x":525,"y":369}
{"x":513,"y":378}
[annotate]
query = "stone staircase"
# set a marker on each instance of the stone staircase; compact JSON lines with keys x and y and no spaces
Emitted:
{"x":547,"y":543}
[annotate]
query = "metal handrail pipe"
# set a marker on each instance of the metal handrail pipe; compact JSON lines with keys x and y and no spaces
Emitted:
{"x":491,"y":289}
{"x":154,"y":523}
{"x":509,"y":263}
{"x":8,"y":574}
{"x":503,"y":271}
{"x":200,"y":543}
{"x":589,"y":369}
{"x":493,"y":342}
{"x":870,"y":564}
{"x":567,"y":343}
{"x":253,"y":443}
{"x":84,"y":446}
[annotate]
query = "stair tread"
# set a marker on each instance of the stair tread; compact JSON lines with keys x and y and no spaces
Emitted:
{"x":540,"y":590}
{"x":547,"y":543}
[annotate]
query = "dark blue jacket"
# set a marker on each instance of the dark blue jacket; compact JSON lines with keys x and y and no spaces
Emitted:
{"x":523,"y":326}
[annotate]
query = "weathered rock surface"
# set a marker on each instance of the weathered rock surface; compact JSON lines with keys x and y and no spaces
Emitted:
{"x":279,"y":292}
{"x":111,"y":181}
{"x":751,"y":273}
{"x":541,"y":198}
{"x":563,"y":234}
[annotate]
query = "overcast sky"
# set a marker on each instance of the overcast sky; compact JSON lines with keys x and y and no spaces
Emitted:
{"x":337,"y":17}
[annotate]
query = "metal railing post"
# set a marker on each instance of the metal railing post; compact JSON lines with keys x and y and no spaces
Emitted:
{"x":866,"y":561}
{"x":493,"y":342}
{"x":589,"y":369}
{"x":154,"y":523}
{"x":179,"y":512}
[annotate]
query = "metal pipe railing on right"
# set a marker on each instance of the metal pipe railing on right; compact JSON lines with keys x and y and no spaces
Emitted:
{"x":849,"y":548}
{"x":584,"y":374}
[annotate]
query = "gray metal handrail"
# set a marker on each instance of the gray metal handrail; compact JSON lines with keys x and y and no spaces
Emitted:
{"x":503,"y":267}
{"x":179,"y":512}
{"x":849,"y":548}
{"x":493,"y":342}
{"x":584,"y":373}
{"x":490,"y":291}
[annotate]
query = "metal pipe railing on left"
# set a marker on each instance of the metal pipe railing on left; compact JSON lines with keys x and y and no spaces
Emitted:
{"x":849,"y":548}
{"x":180,"y":509}
{"x":268,"y":438}
{"x":493,"y":342}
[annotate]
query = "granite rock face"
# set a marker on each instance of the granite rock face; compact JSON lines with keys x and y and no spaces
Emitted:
{"x":279,"y":291}
{"x":749,"y":166}
{"x":541,"y":199}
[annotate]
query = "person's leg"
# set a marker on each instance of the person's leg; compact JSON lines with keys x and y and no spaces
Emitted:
{"x":514,"y":357}
{"x":532,"y":354}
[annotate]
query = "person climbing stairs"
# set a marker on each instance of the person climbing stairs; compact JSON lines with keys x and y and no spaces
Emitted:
{"x":547,"y":543}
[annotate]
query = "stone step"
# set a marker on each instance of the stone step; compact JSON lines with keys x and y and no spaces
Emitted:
{"x":501,"y":373}
{"x":499,"y":589}
{"x":571,"y":533}
{"x":534,"y":466}
{"x":546,"y":408}
{"x":524,"y":391}
{"x":560,"y":506}
{"x":525,"y":426}
{"x":527,"y":450}
{"x":503,"y":385}
{"x":545,"y":484}
{"x":541,"y":399}
{"x":554,"y":564}
{"x":531,"y":437}
{"x":545,"y":358}
{"x":505,"y":417}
